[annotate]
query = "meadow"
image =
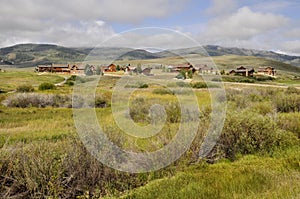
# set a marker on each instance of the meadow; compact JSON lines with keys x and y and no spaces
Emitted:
{"x":42,"y":156}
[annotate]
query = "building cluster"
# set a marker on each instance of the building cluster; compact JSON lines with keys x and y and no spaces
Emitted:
{"x":241,"y":70}
{"x":111,"y":68}
{"x":76,"y":69}
{"x":249,"y":72}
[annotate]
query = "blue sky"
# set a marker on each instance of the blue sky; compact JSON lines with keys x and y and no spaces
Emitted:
{"x":268,"y":25}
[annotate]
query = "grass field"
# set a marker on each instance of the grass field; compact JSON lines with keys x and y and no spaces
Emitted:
{"x":249,"y":177}
{"x":256,"y":156}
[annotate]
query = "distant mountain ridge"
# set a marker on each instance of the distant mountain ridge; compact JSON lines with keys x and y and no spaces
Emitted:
{"x":25,"y":55}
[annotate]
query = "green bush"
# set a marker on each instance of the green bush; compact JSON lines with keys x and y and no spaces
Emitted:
{"x":143,"y":86}
{"x":199,"y":85}
{"x":24,"y":100}
{"x":292,"y":90}
{"x":25,"y":88}
{"x":264,"y":78}
{"x":68,"y":170}
{"x":46,"y":86}
{"x":139,"y":85}
{"x":182,"y":84}
{"x":102,"y":102}
{"x":287,"y":103}
{"x":162,"y":91}
{"x":290,"y":122}
{"x":70,"y":82}
{"x":249,"y":132}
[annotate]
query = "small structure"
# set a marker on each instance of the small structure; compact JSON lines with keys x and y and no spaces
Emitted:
{"x":76,"y":69}
{"x":205,"y":69}
{"x":111,"y":68}
{"x":268,"y":71}
{"x":243,"y":71}
{"x":170,"y":69}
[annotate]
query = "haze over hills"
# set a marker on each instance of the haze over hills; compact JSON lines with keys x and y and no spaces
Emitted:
{"x":25,"y":55}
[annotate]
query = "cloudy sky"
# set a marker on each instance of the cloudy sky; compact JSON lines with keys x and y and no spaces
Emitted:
{"x":269,"y":24}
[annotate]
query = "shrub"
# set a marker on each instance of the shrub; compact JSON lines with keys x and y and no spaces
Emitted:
{"x":73,"y":78}
{"x":68,"y":170}
{"x":2,"y":91}
{"x":287,"y":103}
{"x":290,"y":122}
{"x":264,"y":78}
{"x":292,"y":90}
{"x":199,"y":85}
{"x":139,"y":85}
{"x":139,"y":110}
{"x":182,"y":84}
{"x":25,"y":88}
{"x":131,"y":86}
{"x":70,"y":83}
{"x":162,"y":91}
{"x":248,"y":132}
{"x":143,"y":86}
{"x":102,"y":102}
{"x":23,"y":100}
{"x":46,"y":86}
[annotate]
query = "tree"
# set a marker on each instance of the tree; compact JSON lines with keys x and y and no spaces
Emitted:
{"x":222,"y":72}
{"x":190,"y":74}
{"x":118,"y":68}
{"x":139,"y":68}
{"x":98,"y":70}
{"x":88,"y":70}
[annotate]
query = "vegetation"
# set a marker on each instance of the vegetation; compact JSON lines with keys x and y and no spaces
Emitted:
{"x":46,"y":86}
{"x":25,"y":88}
{"x":256,"y":156}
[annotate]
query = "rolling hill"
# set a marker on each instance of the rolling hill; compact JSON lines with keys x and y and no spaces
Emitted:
{"x":26,"y":55}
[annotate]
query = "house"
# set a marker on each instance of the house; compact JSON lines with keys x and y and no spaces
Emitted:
{"x":76,"y":69}
{"x":111,"y":68}
{"x":243,"y":71}
{"x":53,"y":68}
{"x":204,"y":69}
{"x":268,"y":71}
{"x":184,"y":67}
{"x":61,"y":68}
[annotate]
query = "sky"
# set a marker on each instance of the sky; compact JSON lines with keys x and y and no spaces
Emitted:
{"x":255,"y":24}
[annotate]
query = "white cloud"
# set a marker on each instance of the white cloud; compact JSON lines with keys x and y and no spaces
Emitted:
{"x":292,"y":47}
{"x":223,"y":7}
{"x":74,"y":22}
{"x":152,"y":38}
{"x":83,"y":33}
{"x":292,"y":33}
{"x":272,"y":6}
{"x":244,"y":24}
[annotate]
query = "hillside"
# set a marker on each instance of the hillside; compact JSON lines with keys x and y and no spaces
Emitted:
{"x":220,"y":51}
{"x":26,"y":55}
{"x":138,"y":54}
{"x":32,"y":54}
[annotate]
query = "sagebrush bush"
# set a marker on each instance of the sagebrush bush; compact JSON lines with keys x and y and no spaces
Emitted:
{"x":46,"y":86}
{"x":63,"y":169}
{"x":249,"y":132}
{"x":24,"y":100}
{"x":102,"y":101}
{"x":199,"y":85}
{"x":25,"y":88}
{"x":163,"y":91}
{"x":290,"y":122}
{"x":287,"y":102}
